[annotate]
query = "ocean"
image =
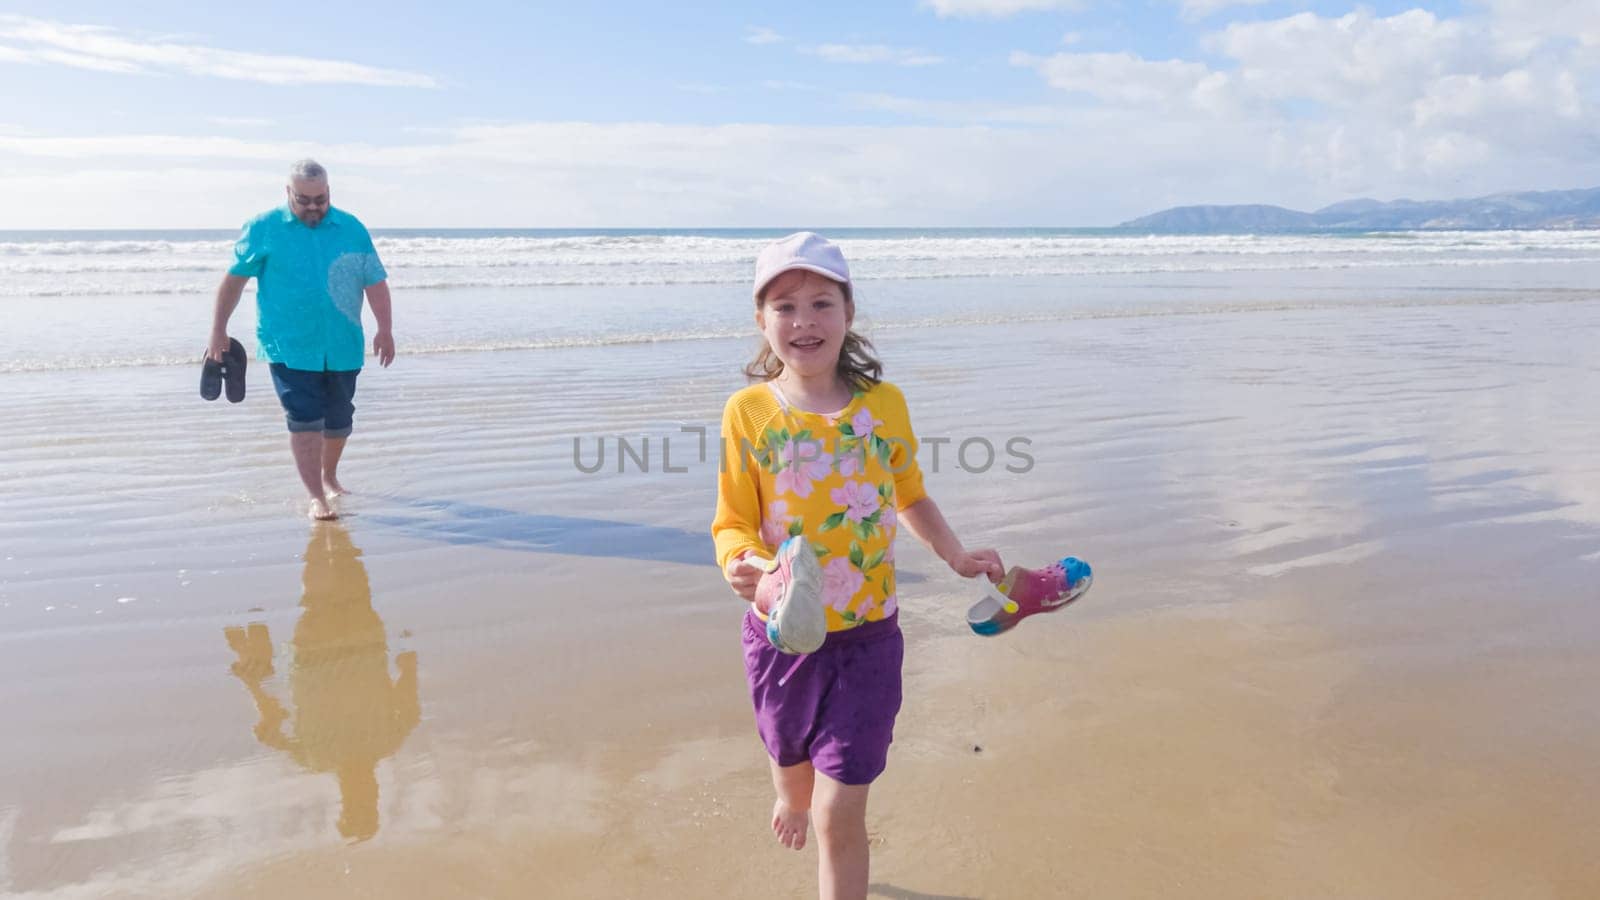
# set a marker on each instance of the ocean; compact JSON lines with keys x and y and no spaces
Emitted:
{"x":132,"y":298}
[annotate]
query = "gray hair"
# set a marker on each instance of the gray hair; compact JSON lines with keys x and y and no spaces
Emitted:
{"x":308,"y":170}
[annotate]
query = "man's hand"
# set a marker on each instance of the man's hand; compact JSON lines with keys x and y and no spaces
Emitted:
{"x":743,"y":576}
{"x":383,"y":346}
{"x":217,"y":346}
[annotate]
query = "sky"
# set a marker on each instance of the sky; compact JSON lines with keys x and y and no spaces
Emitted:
{"x":634,"y":113}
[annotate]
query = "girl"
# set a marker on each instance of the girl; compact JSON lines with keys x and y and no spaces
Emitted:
{"x":824,"y":447}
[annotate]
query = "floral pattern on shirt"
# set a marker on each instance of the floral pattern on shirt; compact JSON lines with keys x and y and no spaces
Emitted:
{"x":834,"y":473}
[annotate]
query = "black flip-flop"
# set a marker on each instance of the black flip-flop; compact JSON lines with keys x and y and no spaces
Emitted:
{"x":231,"y":370}
{"x":233,"y":366}
{"x":210,"y":378}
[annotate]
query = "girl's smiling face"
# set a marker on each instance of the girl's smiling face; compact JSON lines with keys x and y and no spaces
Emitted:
{"x":804,"y":317}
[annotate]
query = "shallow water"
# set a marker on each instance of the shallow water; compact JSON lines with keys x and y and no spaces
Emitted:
{"x":144,"y":298}
{"x":1346,"y":539}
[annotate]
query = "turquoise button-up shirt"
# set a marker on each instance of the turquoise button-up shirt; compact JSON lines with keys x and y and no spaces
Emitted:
{"x":309,"y":285}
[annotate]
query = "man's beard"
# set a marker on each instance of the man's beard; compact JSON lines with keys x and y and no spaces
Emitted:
{"x":310,"y":219}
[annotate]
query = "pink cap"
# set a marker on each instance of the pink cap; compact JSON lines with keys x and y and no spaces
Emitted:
{"x":801,"y":250}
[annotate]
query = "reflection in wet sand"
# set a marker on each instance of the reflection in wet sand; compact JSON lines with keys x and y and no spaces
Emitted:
{"x":347,"y":714}
{"x":1341,"y":647}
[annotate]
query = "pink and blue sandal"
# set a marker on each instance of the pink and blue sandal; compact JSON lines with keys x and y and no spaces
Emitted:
{"x":1025,"y":592}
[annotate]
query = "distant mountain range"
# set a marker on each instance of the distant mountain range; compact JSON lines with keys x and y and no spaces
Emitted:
{"x":1533,"y":209}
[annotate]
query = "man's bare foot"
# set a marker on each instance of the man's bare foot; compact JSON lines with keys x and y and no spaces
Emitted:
{"x":321,"y":511}
{"x":331,"y":486}
{"x":790,"y":825}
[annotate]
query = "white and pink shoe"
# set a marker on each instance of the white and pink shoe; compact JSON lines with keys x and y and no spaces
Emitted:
{"x":790,"y":596}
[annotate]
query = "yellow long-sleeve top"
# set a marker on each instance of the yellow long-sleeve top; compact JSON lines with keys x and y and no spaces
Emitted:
{"x":839,"y":479}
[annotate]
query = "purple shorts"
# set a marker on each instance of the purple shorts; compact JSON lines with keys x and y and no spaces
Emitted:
{"x":838,"y":708}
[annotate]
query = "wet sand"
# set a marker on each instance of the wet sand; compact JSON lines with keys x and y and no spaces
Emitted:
{"x":1341,"y":642}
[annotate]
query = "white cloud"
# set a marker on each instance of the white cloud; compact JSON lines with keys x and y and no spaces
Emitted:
{"x":150,"y":146}
{"x":1542,"y":19}
{"x":1430,"y":81}
{"x":1299,"y":111}
{"x":1355,"y":60}
{"x":965,"y":113}
{"x":1195,"y":10}
{"x":38,"y":41}
{"x":575,"y":174}
{"x":1045,"y":167}
{"x":241,"y":122}
{"x":47,"y":55}
{"x":873,"y":53}
{"x":1119,"y":77}
{"x":1368,"y":104}
{"x":998,"y":9}
{"x":1522,"y":110}
{"x":758,"y":35}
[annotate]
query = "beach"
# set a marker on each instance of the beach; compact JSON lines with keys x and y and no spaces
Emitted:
{"x":1344,"y":520}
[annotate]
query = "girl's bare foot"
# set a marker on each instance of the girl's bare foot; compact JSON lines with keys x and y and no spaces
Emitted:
{"x":321,"y":511}
{"x":331,"y":486}
{"x":790,"y":825}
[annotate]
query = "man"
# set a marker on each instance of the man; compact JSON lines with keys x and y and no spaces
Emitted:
{"x":312,"y":264}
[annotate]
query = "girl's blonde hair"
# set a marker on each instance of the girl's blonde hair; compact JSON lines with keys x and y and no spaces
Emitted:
{"x":857,"y":366}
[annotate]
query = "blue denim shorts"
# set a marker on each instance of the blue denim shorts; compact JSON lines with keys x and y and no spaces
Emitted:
{"x":316,"y":401}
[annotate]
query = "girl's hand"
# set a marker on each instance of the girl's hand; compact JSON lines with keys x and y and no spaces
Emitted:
{"x":972,"y":563}
{"x":744,"y":576}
